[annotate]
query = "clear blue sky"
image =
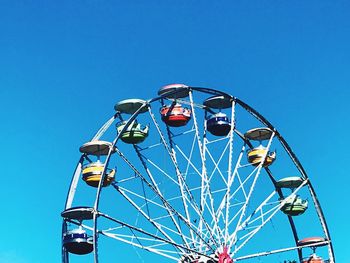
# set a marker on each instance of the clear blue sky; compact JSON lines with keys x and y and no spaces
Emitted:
{"x":64,"y":64}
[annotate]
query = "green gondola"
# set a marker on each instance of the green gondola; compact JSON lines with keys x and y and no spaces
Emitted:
{"x":134,"y":134}
{"x":294,"y":206}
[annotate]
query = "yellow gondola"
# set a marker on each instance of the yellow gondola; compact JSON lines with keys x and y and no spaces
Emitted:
{"x":256,"y":156}
{"x":92,"y":174}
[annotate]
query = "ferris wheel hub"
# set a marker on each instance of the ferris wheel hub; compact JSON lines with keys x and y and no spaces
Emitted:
{"x":218,"y":257}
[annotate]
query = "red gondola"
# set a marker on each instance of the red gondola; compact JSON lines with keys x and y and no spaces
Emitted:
{"x":313,"y":259}
{"x":175,"y":116}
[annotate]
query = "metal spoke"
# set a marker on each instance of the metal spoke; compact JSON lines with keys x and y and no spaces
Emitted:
{"x":200,"y":197}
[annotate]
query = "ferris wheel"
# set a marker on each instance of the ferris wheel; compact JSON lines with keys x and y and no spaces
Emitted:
{"x":193,"y":175}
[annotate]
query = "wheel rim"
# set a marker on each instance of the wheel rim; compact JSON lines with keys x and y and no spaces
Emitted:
{"x":219,"y":196}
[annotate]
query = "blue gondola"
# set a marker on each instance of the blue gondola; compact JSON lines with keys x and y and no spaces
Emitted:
{"x":77,"y":242}
{"x":219,"y":124}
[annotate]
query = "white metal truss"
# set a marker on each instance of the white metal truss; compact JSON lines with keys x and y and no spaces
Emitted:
{"x":213,"y":201}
